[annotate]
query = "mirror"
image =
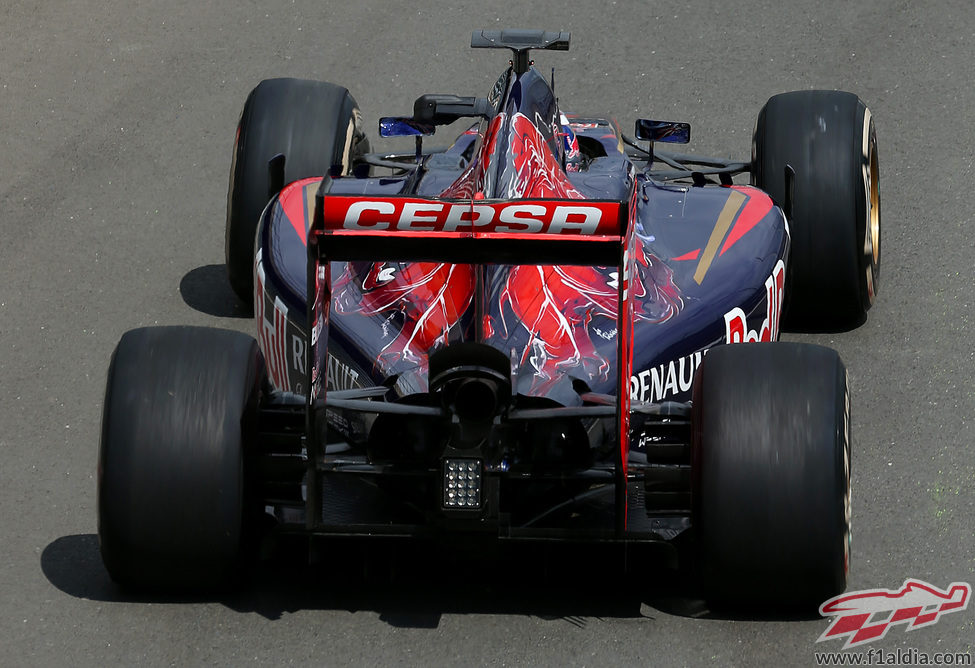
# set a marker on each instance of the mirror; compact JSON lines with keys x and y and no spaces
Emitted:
{"x":403,"y":126}
{"x":664,"y":131}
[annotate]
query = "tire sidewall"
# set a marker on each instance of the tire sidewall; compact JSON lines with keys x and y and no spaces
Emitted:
{"x":869,"y":264}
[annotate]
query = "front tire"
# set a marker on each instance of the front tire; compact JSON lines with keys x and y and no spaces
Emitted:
{"x":175,"y":504}
{"x":314,"y":124}
{"x":771,"y":470}
{"x":828,"y":138}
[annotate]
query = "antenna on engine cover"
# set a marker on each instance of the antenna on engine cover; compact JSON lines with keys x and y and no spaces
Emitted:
{"x":520,"y":42}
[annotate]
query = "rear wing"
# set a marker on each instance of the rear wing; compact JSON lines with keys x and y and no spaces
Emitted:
{"x":470,"y":231}
{"x":527,"y":231}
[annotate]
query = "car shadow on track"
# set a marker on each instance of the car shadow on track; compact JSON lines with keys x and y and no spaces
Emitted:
{"x":206,"y":289}
{"x":415,"y":589}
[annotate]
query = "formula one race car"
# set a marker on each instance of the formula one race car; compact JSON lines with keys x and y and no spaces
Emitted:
{"x":517,"y":337}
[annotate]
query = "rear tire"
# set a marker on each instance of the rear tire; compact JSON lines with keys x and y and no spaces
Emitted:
{"x":314,"y":124}
{"x":828,"y":138}
{"x":175,"y":504}
{"x":771,"y":470}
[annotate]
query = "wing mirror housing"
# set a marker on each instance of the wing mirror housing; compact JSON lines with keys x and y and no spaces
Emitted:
{"x":445,"y":109}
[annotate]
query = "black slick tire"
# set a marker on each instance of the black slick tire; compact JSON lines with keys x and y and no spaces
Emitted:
{"x":829,"y":140}
{"x":175,"y":502}
{"x":771,"y":472}
{"x":314,"y":124}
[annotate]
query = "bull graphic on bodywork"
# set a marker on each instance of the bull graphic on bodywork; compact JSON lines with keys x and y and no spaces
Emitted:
{"x":431,"y":297}
{"x":558,"y":305}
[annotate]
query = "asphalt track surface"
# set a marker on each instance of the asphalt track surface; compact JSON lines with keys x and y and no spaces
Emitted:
{"x":117,"y":120}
